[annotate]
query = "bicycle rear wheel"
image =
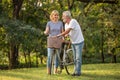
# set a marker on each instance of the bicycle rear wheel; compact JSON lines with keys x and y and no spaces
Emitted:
{"x":69,"y":61}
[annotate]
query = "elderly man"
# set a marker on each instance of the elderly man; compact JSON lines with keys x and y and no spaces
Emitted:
{"x":73,"y":29}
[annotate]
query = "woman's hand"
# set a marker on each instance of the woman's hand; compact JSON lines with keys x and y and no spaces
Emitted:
{"x":46,"y":32}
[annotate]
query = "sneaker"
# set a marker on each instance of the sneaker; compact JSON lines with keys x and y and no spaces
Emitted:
{"x":61,"y":67}
{"x":75,"y":74}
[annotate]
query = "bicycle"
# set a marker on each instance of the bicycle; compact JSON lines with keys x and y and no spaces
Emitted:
{"x":66,"y":62}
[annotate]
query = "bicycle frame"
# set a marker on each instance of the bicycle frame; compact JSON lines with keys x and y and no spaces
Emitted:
{"x":64,"y":61}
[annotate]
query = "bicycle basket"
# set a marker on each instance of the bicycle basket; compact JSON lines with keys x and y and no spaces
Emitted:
{"x":54,"y":42}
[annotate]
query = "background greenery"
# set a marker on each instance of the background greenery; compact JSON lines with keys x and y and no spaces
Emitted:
{"x":22,"y":22}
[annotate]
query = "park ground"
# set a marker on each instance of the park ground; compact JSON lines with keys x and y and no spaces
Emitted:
{"x":107,"y":71}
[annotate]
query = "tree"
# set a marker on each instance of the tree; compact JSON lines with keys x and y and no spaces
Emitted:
{"x":22,"y":26}
{"x":14,"y":47}
{"x":100,"y":1}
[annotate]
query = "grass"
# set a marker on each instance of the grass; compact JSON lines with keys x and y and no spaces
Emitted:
{"x":89,"y":72}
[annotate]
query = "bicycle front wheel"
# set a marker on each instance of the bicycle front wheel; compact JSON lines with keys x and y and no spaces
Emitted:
{"x":69,"y":61}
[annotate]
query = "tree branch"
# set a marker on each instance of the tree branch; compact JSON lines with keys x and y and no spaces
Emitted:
{"x":16,"y":8}
{"x":100,"y":1}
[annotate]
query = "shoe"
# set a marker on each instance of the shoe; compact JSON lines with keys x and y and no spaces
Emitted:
{"x":61,"y":67}
{"x":75,"y":74}
{"x":49,"y":73}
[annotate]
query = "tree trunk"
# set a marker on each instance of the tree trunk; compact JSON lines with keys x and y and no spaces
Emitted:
{"x":13,"y":57}
{"x":29,"y":59}
{"x":102,"y":54}
{"x":114,"y":60}
{"x":25,"y":59}
{"x":36,"y":59}
{"x":1,"y":9}
{"x":113,"y":50}
{"x":16,"y":8}
{"x":41,"y":59}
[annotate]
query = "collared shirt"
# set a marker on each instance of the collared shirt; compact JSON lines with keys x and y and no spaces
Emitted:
{"x":75,"y":34}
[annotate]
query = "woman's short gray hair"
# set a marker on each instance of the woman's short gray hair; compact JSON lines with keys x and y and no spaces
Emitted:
{"x":67,"y":13}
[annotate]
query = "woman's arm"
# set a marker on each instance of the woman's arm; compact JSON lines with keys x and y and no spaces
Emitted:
{"x":46,"y":32}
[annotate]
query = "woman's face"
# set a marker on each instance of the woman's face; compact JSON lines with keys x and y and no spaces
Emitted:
{"x":55,"y":16}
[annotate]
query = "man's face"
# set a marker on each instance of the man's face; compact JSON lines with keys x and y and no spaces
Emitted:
{"x":64,"y":18}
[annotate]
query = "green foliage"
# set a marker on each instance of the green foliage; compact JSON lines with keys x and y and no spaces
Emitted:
{"x":100,"y":23}
{"x":3,"y":59}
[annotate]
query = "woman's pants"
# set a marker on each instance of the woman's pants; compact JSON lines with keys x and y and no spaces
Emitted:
{"x":52,"y":52}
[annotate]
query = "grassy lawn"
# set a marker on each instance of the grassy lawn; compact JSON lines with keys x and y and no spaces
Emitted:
{"x":89,"y":72}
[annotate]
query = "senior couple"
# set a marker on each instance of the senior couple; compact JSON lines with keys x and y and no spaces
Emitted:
{"x":54,"y":27}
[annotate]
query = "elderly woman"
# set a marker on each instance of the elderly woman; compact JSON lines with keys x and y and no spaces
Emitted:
{"x":53,"y":28}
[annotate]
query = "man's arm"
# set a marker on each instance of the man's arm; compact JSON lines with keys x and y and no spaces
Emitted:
{"x":65,"y":32}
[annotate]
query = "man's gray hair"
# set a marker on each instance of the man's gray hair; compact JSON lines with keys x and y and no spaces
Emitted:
{"x":67,"y":13}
